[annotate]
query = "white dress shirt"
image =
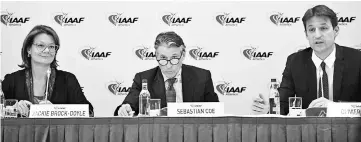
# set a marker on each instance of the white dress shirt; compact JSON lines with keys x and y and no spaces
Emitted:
{"x":177,"y":85}
{"x":330,"y":62}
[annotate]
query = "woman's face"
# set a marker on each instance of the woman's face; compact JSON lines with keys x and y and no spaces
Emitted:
{"x":43,"y":49}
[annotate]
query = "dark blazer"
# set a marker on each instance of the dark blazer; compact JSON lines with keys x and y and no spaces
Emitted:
{"x":197,"y":86}
{"x":66,"y":88}
{"x":299,"y":77}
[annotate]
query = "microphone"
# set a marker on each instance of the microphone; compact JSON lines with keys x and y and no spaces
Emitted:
{"x":47,"y":84}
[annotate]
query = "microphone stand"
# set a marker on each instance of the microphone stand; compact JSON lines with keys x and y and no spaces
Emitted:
{"x":47,"y":84}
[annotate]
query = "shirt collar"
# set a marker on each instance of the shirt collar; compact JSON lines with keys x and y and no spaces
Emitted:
{"x":177,"y":76}
{"x":330,"y":60}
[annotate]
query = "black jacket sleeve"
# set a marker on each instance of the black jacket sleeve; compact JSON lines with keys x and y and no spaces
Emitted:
{"x":133,"y":96}
{"x":209,"y":94}
{"x":287,"y":88}
{"x":75,"y":93}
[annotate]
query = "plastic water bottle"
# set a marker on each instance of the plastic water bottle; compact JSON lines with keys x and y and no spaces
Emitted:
{"x":274,"y":98}
{"x":2,"y":101}
{"x":144,"y":96}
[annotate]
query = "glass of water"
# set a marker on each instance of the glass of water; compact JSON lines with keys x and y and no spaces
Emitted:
{"x":154,"y":107}
{"x":295,"y":106}
{"x":295,"y":102}
{"x":11,"y":108}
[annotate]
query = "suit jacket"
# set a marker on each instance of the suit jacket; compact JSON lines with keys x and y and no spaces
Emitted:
{"x":66,"y":88}
{"x":197,"y":86}
{"x":299,"y":77}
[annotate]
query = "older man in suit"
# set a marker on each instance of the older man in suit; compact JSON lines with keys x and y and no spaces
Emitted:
{"x":170,"y":81}
{"x":323,"y":73}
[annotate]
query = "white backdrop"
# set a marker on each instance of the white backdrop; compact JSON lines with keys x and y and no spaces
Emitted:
{"x":97,"y":30}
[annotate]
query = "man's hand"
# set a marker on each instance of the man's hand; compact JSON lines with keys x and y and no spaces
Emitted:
{"x":23,"y":107}
{"x":125,"y":110}
{"x":260,"y":105}
{"x":320,"y":102}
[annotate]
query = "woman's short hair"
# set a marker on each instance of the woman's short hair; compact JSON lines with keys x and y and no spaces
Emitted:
{"x":28,"y":42}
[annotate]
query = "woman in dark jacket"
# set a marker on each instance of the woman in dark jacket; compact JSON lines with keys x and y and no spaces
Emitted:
{"x":40,"y":82}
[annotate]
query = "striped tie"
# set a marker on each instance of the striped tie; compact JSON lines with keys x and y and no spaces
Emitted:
{"x":170,"y":91}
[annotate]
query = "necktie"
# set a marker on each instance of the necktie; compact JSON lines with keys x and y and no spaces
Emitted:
{"x":324,"y":82}
{"x":170,"y":91}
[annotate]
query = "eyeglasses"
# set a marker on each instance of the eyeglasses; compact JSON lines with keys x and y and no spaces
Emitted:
{"x":173,"y":61}
{"x":41,"y":47}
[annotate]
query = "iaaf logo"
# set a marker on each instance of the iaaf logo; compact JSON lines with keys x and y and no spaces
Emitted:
{"x":226,"y":20}
{"x":120,"y":20}
{"x":280,"y":20}
{"x":143,"y":52}
{"x":173,"y":20}
{"x":342,"y":21}
{"x":90,"y":54}
{"x":226,"y":88}
{"x":64,"y":20}
{"x":250,"y":53}
{"x":118,"y":88}
{"x":9,"y":19}
{"x":198,"y":54}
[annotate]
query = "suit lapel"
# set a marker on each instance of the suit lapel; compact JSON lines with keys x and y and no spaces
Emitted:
{"x":158,"y":88}
{"x":187,"y":84}
{"x":311,"y":75}
{"x":338,"y":71}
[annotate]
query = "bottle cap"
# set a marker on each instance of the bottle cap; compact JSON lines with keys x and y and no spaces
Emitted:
{"x":144,"y":80}
{"x":273,"y":80}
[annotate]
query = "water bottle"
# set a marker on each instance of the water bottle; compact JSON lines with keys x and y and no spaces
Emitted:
{"x":274,"y":98}
{"x":144,"y":96}
{"x":2,"y":101}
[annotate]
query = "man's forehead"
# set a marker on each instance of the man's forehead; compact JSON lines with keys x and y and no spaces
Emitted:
{"x":169,"y":50}
{"x":319,"y":20}
{"x":169,"y":53}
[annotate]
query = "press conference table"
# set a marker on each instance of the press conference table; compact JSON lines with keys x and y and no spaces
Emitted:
{"x":188,"y":129}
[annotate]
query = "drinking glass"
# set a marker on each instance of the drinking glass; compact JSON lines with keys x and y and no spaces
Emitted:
{"x":11,"y":108}
{"x":154,"y":107}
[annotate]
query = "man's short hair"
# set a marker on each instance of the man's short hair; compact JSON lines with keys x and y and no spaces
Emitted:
{"x":320,"y":10}
{"x":169,"y":39}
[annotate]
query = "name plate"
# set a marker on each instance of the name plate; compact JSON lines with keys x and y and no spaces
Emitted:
{"x":202,"y":109}
{"x":344,"y":110}
{"x":59,"y":111}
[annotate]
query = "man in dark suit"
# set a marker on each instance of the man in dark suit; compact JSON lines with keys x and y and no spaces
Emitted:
{"x":323,"y":73}
{"x":170,"y":81}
